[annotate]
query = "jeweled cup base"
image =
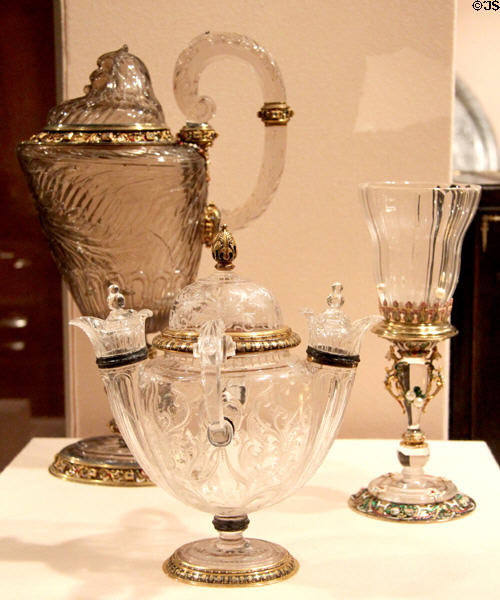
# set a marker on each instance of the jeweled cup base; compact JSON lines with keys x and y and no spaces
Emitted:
{"x":367,"y":504}
{"x":257,"y":562}
{"x":104,"y":460}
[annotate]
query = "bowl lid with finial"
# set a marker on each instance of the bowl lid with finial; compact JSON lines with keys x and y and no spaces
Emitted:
{"x":250,"y":313}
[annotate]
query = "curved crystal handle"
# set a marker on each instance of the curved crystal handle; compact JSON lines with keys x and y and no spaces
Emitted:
{"x":275,"y":113}
{"x":213,"y":348}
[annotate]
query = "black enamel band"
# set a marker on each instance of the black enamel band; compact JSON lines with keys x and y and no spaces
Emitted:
{"x":231,"y":523}
{"x":332,"y":360}
{"x":120,"y":360}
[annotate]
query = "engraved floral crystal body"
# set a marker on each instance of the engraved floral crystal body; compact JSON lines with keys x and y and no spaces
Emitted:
{"x":228,"y":420}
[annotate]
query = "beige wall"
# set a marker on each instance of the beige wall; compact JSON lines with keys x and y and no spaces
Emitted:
{"x":371,"y":85}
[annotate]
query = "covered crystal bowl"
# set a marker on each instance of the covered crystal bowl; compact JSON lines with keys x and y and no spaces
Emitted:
{"x":227,"y":419}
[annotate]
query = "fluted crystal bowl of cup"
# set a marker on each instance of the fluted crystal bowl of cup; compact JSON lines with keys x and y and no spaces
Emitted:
{"x":417,"y":231}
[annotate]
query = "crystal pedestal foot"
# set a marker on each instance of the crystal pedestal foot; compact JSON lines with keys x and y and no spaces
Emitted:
{"x":412,"y":488}
{"x":230,"y":559}
{"x":411,"y":495}
{"x":104,"y":460}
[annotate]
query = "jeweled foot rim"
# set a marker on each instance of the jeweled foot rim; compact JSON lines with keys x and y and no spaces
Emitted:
{"x":367,"y":504}
{"x":103,"y":460}
{"x":239,"y":574}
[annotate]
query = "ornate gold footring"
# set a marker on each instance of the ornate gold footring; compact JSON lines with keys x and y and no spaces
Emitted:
{"x":103,"y":460}
{"x":179,"y":567}
{"x":371,"y":506}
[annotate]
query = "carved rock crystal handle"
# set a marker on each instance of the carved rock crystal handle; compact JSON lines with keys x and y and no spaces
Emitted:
{"x":275,"y":113}
{"x":213,"y":348}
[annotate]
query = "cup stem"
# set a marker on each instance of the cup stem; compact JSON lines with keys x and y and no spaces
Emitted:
{"x":231,"y":541}
{"x":413,"y":380}
{"x":230,"y":531}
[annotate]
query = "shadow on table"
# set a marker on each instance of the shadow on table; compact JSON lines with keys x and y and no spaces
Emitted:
{"x":125,"y":562}
{"x":313,"y":499}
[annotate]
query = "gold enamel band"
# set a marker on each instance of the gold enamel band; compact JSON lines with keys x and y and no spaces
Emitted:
{"x":103,"y":137}
{"x":253,"y":341}
{"x":275,"y":113}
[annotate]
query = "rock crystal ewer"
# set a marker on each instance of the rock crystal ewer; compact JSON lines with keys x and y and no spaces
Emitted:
{"x":121,"y":200}
{"x":227,"y":420}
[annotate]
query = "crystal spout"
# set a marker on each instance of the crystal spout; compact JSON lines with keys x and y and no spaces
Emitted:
{"x":332,"y":331}
{"x":123,"y":331}
{"x":359,"y":328}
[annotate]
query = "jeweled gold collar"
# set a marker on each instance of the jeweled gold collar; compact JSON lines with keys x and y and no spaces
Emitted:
{"x":246,"y":341}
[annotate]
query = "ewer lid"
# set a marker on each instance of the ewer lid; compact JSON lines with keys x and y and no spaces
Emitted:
{"x":250,"y":313}
{"x":119,"y":106}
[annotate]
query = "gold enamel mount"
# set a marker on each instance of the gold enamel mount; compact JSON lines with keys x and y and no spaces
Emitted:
{"x":102,"y":460}
{"x":414,"y":322}
{"x":251,"y":341}
{"x":182,"y":570}
{"x":93,"y":136}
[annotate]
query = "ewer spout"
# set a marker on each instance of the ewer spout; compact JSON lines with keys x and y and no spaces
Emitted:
{"x":119,"y":343}
{"x":332,"y":357}
{"x":121,"y":337}
{"x":332,"y":332}
{"x":360,"y":327}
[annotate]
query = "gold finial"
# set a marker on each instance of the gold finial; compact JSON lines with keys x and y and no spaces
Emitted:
{"x":224,"y":250}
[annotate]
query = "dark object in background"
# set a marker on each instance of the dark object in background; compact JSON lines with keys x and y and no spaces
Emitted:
{"x":475,"y":356}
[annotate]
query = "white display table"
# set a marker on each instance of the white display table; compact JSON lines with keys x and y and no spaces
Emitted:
{"x":82,"y":542}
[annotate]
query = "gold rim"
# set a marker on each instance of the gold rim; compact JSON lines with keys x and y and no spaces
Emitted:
{"x":104,"y":127}
{"x":251,"y":341}
{"x":423,"y":332}
{"x":194,"y":575}
{"x":199,"y":134}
